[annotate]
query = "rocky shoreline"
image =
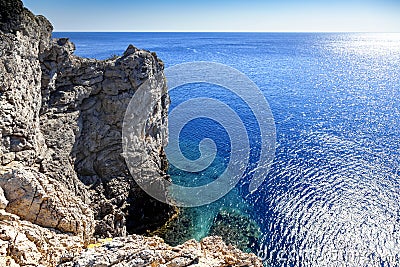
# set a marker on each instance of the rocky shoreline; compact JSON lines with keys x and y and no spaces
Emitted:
{"x":64,"y":184}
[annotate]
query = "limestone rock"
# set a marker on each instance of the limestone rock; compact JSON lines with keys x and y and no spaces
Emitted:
{"x":25,"y":244}
{"x":45,"y":202}
{"x":152,"y":251}
{"x":3,"y":200}
{"x":62,"y":115}
{"x":84,"y":104}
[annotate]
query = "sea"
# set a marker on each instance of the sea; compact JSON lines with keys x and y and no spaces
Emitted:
{"x":332,"y":194}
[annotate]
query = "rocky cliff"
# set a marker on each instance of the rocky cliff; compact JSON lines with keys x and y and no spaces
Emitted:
{"x":63,"y":179}
{"x":62,"y":117}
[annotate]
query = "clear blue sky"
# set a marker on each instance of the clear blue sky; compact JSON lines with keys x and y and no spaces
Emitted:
{"x":223,"y":15}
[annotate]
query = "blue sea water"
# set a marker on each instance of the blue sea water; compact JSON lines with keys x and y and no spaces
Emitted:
{"x":332,"y":197}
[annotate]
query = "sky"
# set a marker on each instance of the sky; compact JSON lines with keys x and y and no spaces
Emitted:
{"x":220,"y":15}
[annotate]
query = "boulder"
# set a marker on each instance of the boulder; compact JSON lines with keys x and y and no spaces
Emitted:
{"x":41,"y":200}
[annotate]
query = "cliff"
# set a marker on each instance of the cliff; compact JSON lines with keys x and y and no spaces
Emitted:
{"x":63,"y":179}
{"x":62,"y":117}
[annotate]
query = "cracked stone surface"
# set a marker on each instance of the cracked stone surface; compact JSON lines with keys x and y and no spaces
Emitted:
{"x":62,"y":115}
{"x":23,"y":243}
{"x":45,"y":202}
{"x":138,"y":251}
{"x":83,"y":106}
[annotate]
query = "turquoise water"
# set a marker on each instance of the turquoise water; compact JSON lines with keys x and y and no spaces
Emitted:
{"x":332,"y":196}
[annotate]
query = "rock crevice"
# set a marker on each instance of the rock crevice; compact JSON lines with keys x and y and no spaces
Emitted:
{"x":83,"y":107}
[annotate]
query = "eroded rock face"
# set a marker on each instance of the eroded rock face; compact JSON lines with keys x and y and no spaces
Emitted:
{"x":26,"y":244}
{"x":84,"y":103}
{"x":62,"y":115}
{"x":20,"y":93}
{"x":39,"y":199}
{"x":152,"y":251}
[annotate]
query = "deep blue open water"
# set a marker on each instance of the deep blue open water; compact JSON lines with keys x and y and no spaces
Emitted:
{"x":332,"y":197}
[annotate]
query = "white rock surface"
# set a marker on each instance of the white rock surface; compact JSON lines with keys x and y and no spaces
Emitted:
{"x":25,"y":244}
{"x":3,"y":200}
{"x":45,"y":202}
{"x":152,"y":251}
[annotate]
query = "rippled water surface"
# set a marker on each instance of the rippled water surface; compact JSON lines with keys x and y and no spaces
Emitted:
{"x":332,"y":197}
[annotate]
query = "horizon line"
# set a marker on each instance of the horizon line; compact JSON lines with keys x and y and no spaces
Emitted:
{"x":223,"y":31}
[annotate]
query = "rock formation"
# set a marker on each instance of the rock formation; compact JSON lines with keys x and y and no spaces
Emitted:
{"x":45,"y":202}
{"x":152,"y":251}
{"x":63,"y":179}
{"x":62,"y":118}
{"x":23,"y":243}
